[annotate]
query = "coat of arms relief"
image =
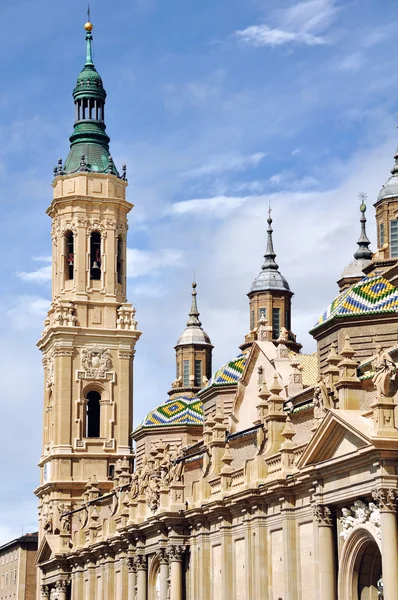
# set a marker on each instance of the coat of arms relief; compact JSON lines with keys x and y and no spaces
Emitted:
{"x":96,"y":362}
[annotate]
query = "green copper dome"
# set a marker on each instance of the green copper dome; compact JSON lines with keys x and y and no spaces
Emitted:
{"x":89,"y":150}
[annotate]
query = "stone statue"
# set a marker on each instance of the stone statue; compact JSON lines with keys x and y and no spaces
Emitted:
{"x":385,"y":374}
{"x":321,"y":399}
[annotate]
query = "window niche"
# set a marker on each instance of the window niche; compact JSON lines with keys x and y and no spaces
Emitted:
{"x":95,"y":255}
{"x":119,"y":260}
{"x":69,"y":252}
{"x":93,"y":414}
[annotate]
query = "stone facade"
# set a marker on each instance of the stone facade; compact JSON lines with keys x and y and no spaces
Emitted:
{"x":283,"y":486}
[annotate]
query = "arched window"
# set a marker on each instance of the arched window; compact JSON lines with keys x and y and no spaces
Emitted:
{"x":69,"y":255}
{"x":119,"y":260}
{"x":93,"y":415}
{"x":95,"y":255}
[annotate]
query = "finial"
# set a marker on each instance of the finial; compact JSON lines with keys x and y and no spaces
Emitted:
{"x":88,"y":26}
{"x":83,"y":165}
{"x":124,"y":172}
{"x":194,"y":320}
{"x":89,"y":38}
{"x":270,"y":255}
{"x":110,"y":166}
{"x":60,"y":168}
{"x":363,"y":242}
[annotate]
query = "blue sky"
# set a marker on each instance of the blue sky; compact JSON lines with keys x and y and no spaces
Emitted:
{"x":218,"y":108}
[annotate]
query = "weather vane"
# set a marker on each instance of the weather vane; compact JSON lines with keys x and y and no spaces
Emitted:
{"x":88,"y":13}
{"x":362,"y":197}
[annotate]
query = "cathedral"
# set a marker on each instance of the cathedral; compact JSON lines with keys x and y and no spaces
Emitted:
{"x":272,"y":477}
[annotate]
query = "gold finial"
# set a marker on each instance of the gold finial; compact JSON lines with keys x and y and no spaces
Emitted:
{"x":88,"y":26}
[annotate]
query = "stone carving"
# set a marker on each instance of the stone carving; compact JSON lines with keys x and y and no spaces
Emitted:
{"x":386,"y":499}
{"x":125,"y":318}
{"x":48,"y":519}
{"x":159,"y":472}
{"x":50,"y":372}
{"x":45,"y":591}
{"x":64,"y":517}
{"x":358,"y":514}
{"x":163,"y":556}
{"x":264,"y":331}
{"x":176,"y":553}
{"x":385,"y":377}
{"x":323,"y":514}
{"x":61,"y":585}
{"x":321,"y":399}
{"x":140,"y":562}
{"x":64,"y":314}
{"x":97,"y":362}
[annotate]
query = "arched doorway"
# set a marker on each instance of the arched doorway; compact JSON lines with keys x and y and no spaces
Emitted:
{"x":360,"y":565}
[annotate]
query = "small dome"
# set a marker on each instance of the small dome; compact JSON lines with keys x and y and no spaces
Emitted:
{"x":389,"y":189}
{"x":89,"y":83}
{"x":355,"y":268}
{"x":269,"y":280}
{"x":193,"y":335}
{"x":228,"y":374}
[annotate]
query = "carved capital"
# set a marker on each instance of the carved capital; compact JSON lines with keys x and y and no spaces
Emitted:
{"x":131,"y":564}
{"x":61,"y":585}
{"x":323,"y":515}
{"x":163,"y":556}
{"x":45,"y":591}
{"x":140,"y":562}
{"x":176,"y":553}
{"x":386,"y":498}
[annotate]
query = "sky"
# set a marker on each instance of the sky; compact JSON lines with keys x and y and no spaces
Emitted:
{"x":219,"y":108}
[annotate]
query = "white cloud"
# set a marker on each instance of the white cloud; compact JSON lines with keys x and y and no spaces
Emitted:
{"x":300,"y":24}
{"x":218,"y":206}
{"x":150,"y":262}
{"x":225,"y":163}
{"x":42,"y":275}
{"x":27,"y":311}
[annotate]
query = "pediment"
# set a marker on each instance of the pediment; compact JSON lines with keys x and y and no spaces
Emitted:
{"x":341,"y":433}
{"x":244,"y":411}
{"x":47,"y":549}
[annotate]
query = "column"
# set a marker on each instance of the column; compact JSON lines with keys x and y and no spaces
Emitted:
{"x":132,"y":579}
{"x":386,"y":499}
{"x":61,"y":589}
{"x":164,"y":573}
{"x":175,"y":557}
{"x":327,"y":565}
{"x":141,"y":566}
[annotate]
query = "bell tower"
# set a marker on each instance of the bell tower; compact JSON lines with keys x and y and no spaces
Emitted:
{"x":89,"y":337}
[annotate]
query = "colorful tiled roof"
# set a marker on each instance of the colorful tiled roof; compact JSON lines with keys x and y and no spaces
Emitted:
{"x":371,"y":295}
{"x":229,"y":374}
{"x":178,"y":411}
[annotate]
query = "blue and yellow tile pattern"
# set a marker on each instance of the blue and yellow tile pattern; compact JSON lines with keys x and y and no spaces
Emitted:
{"x":178,"y":411}
{"x":229,"y":374}
{"x":370,"y":296}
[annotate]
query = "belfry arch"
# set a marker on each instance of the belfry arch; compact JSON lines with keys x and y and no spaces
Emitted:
{"x":360,"y":566}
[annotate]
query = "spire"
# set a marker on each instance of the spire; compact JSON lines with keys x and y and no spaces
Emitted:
{"x":270,"y":255}
{"x":363,"y":242}
{"x":89,"y":136}
{"x":194,"y":320}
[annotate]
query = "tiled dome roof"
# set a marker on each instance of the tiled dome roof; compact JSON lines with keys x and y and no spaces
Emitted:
{"x":178,"y":411}
{"x":229,"y":374}
{"x":372,"y":295}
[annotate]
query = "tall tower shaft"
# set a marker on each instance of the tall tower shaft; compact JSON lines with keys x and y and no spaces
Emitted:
{"x":89,"y":338}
